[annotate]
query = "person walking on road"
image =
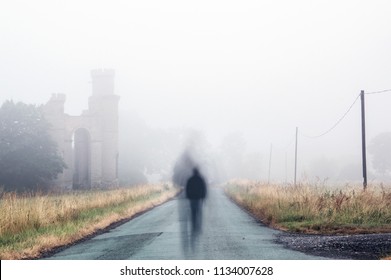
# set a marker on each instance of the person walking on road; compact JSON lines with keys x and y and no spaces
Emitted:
{"x":196,"y":193}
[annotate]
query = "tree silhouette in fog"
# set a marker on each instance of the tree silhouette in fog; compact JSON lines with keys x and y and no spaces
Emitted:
{"x":28,"y":156}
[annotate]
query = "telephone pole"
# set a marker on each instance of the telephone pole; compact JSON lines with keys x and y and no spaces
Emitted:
{"x":364,"y":154}
{"x":297,"y":130}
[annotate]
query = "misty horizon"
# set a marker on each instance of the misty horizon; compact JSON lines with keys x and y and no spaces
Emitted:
{"x":234,"y":74}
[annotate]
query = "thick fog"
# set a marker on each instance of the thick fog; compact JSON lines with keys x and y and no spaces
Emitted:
{"x":227,"y":80}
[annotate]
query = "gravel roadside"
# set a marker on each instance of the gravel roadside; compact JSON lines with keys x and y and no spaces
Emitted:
{"x":357,"y":247}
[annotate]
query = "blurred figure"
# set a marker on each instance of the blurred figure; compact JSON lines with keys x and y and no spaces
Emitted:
{"x":183,"y":169}
{"x":195,"y":193}
{"x":188,"y":177}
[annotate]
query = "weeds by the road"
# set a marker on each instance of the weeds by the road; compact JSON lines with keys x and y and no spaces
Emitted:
{"x":316,"y":209}
{"x":33,"y":224}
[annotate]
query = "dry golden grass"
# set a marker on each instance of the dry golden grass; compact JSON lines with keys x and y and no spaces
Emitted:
{"x":316,"y":208}
{"x":33,"y":224}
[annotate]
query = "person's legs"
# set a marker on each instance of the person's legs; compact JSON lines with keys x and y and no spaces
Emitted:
{"x":194,"y":214}
{"x":184,"y":222}
{"x":195,"y":207}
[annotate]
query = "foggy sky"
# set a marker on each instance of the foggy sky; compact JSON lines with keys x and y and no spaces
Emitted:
{"x":258,"y":68}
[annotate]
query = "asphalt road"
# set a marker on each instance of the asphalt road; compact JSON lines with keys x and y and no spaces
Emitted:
{"x":228,"y":232}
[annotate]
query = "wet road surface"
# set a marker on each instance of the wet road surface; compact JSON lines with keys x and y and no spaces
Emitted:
{"x":228,"y":232}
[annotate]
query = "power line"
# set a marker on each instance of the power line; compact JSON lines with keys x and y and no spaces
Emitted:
{"x":380,"y":91}
{"x":344,"y":115}
{"x":337,"y":123}
{"x":362,"y":95}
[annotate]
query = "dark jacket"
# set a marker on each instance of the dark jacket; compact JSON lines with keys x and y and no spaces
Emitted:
{"x":196,"y":186}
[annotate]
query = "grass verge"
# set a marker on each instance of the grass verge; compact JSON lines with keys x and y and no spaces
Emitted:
{"x":31,"y":225}
{"x":317,"y":209}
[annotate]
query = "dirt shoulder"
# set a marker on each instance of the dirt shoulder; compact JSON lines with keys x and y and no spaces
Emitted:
{"x":356,"y":247}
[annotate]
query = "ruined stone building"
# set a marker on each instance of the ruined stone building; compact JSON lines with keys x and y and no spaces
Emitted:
{"x":89,"y":142}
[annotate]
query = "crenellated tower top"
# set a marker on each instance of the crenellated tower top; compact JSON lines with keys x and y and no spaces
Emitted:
{"x":102,"y":81}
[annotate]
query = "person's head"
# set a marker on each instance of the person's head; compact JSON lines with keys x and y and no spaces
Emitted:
{"x":195,"y":171}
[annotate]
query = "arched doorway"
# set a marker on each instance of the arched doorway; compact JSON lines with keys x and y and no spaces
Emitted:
{"x":82,"y":159}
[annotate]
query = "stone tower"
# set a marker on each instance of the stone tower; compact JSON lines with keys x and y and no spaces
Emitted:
{"x":89,"y":142}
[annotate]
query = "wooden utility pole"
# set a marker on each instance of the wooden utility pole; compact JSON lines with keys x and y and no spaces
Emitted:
{"x":297,"y":130}
{"x":364,"y":153}
{"x":270,"y":162}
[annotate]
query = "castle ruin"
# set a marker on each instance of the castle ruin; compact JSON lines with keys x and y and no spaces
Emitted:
{"x":88,"y":143}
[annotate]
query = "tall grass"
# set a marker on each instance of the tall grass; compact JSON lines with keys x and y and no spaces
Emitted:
{"x":316,"y":208}
{"x":33,"y":224}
